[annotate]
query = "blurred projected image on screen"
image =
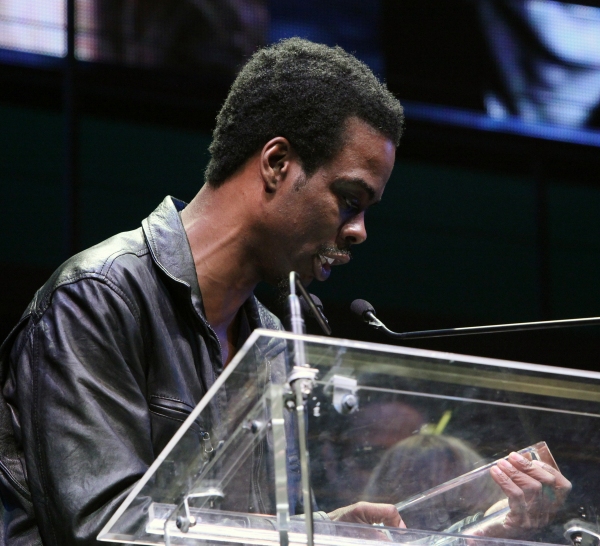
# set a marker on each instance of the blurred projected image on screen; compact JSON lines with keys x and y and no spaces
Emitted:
{"x":548,"y":59}
{"x":33,"y":26}
{"x":163,"y":34}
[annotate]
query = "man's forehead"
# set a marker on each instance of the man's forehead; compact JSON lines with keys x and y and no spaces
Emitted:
{"x":361,"y":138}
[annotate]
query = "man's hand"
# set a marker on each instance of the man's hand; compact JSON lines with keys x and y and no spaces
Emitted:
{"x":368,"y":513}
{"x":535,"y":492}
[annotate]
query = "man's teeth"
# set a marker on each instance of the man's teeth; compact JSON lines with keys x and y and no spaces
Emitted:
{"x":325,"y":259}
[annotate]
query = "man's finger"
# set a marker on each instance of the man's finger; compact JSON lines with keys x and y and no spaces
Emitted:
{"x":561,"y":487}
{"x":382,"y":513}
{"x":555,"y":487}
{"x":369,"y":513}
{"x":516,"y":498}
{"x":530,"y":484}
{"x":538,"y":507}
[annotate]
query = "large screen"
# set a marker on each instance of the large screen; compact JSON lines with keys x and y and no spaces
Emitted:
{"x":30,"y":26}
{"x":530,"y":67}
{"x":522,"y":66}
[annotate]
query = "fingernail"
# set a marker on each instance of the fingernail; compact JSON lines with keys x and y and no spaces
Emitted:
{"x":505,"y":464}
{"x":517,"y":457}
{"x":497,"y":471}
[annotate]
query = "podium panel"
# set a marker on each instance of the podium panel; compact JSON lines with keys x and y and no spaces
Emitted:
{"x":421,"y":430}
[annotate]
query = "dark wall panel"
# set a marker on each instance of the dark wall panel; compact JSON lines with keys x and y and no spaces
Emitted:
{"x":128,"y":169}
{"x":30,"y":181}
{"x":575,"y":250}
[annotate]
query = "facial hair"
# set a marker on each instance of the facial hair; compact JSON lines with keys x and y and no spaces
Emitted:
{"x":331,"y":249}
{"x":283,"y":290}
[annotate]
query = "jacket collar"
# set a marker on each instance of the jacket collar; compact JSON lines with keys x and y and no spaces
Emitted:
{"x":170,"y":250}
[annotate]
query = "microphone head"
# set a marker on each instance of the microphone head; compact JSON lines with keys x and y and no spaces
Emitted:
{"x":316,"y":301}
{"x":318,"y":314}
{"x":306,"y":307}
{"x":360,"y":308}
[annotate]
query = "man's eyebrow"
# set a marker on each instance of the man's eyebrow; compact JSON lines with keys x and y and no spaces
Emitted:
{"x":370,"y":191}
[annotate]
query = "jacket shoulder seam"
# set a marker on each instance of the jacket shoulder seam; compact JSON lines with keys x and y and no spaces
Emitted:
{"x":90,"y":277}
{"x":138,"y":253}
{"x":111,"y":259}
{"x":99,"y":274}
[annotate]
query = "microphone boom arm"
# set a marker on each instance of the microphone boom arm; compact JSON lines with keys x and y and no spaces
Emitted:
{"x":492,"y":329}
{"x":366,"y":312}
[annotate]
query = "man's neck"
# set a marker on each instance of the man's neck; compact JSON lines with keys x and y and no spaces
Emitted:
{"x":217,"y":229}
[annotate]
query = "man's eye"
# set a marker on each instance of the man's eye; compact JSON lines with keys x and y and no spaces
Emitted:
{"x":351,"y":203}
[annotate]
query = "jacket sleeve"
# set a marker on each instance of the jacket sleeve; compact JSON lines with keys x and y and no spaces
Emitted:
{"x":80,"y":408}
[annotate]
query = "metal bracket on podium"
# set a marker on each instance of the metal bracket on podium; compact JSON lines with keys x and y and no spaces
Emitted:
{"x":581,"y":536}
{"x":343,"y":390}
{"x":212,"y":494}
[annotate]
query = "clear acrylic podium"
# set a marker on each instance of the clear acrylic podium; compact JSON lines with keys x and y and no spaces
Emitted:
{"x":414,"y":428}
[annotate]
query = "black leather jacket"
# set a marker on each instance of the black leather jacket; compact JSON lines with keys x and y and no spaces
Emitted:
{"x":109,"y":358}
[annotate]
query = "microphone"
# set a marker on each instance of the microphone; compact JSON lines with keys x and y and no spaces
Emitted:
{"x":363,"y":310}
{"x":366,"y":312}
{"x":318,"y":307}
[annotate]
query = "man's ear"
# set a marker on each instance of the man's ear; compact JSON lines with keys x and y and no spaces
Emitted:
{"x":275,"y":163}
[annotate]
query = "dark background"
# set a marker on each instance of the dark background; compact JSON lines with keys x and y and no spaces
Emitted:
{"x":475,"y":227}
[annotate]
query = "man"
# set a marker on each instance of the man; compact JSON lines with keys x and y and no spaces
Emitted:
{"x":125,"y":338}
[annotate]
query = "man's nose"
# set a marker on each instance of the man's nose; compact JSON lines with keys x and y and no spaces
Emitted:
{"x":354,"y":231}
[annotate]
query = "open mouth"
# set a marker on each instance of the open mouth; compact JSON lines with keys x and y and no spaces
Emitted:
{"x":339,"y":258}
{"x":326,"y":259}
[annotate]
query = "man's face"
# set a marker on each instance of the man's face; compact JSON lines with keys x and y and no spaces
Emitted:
{"x":320,"y":217}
